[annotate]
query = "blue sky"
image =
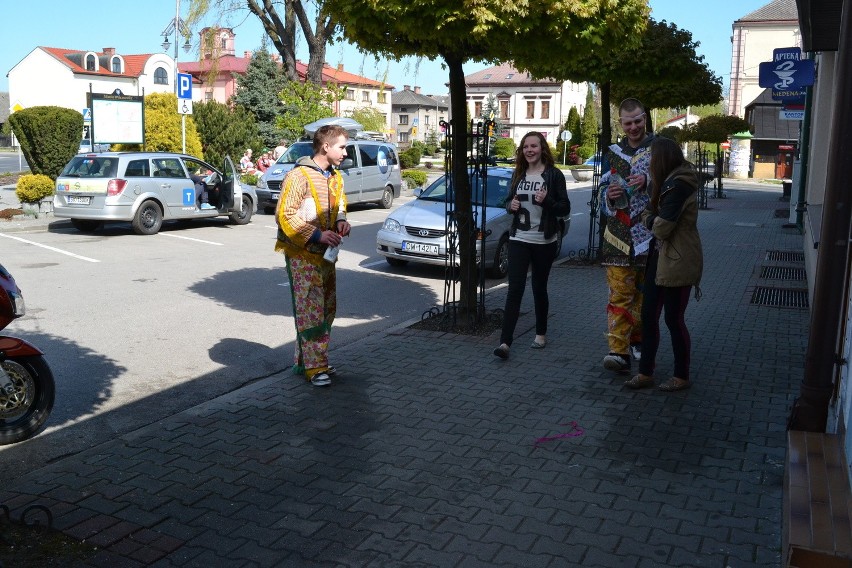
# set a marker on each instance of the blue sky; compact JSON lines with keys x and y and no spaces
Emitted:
{"x":137,"y":28}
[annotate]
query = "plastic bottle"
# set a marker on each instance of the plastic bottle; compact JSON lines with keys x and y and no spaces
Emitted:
{"x":331,"y":253}
{"x":623,"y":201}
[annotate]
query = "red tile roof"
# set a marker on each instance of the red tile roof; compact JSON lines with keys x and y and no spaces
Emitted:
{"x":73,"y":59}
{"x":134,"y":64}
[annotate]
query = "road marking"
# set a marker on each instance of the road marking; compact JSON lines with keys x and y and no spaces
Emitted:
{"x":369,"y":264}
{"x":54,"y":249}
{"x":192,"y":239}
{"x":285,"y":284}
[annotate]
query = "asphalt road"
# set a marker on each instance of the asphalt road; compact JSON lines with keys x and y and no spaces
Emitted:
{"x":138,"y":328}
{"x":12,"y":162}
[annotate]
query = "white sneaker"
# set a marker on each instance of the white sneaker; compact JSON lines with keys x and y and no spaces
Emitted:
{"x":321,"y":380}
{"x":615,"y":362}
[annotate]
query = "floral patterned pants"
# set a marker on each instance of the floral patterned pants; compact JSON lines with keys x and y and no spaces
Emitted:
{"x":314,"y":293}
{"x":623,"y":312}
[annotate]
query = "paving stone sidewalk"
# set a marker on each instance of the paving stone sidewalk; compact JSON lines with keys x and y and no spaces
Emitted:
{"x":429,"y":451}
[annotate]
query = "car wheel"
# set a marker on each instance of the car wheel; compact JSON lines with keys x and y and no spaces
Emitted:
{"x":148,"y":219}
{"x":387,"y":198}
{"x":501,"y":259}
{"x":396,"y":261}
{"x":85,"y":225}
{"x":244,"y":215}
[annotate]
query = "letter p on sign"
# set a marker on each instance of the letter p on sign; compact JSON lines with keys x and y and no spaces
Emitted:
{"x":184,"y":86}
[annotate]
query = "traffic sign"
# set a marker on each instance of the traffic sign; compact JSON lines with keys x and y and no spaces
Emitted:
{"x":184,"y":86}
{"x":565,"y":136}
{"x":787,"y":75}
{"x":87,"y":115}
{"x":184,"y":106}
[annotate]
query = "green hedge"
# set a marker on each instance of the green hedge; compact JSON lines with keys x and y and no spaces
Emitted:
{"x":415,"y":178}
{"x":410,"y":158}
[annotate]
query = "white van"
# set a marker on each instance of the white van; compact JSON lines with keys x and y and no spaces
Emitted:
{"x":371,"y":171}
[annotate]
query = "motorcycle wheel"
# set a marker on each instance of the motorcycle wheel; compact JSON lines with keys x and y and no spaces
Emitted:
{"x":24,"y":412}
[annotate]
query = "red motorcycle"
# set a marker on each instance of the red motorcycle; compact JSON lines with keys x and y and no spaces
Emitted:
{"x":26,"y":383}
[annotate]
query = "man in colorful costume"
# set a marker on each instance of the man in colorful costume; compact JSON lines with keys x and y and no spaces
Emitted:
{"x":625,"y":239}
{"x":311,"y":217}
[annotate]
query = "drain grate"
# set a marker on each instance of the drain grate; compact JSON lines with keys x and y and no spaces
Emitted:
{"x":782,"y":273}
{"x":785,"y":255}
{"x":779,"y":297}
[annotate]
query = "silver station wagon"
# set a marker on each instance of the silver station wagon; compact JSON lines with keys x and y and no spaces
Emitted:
{"x":147,"y":188}
{"x":416,"y":232}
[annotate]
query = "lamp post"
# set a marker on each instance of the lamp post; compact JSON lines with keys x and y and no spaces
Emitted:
{"x":177,"y":26}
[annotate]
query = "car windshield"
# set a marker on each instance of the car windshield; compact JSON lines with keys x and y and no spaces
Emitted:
{"x":498,"y":191}
{"x":296,"y":151}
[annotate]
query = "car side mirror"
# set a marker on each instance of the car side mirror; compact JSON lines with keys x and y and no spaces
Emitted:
{"x":417,"y":191}
{"x":346,"y":164}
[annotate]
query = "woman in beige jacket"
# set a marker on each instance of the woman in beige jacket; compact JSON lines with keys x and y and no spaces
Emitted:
{"x":674,"y":265}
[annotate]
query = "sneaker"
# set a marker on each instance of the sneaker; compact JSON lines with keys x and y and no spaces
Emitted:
{"x":636,"y":352}
{"x":321,"y":380}
{"x":331,"y":371}
{"x":206,"y":207}
{"x":616,"y":362}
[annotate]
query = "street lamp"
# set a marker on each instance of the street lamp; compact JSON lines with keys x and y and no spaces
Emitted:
{"x":176,"y":26}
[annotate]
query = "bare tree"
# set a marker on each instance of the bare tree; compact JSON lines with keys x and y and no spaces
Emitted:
{"x":279,"y":20}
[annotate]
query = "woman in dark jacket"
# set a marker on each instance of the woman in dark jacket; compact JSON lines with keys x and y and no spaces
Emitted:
{"x":538,"y":199}
{"x":674,"y":265}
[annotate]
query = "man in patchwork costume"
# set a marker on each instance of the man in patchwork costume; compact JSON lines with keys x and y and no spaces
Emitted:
{"x":626,"y":239}
{"x":311,"y":216}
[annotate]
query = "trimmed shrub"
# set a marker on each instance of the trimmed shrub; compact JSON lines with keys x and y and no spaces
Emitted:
{"x":415,"y":178}
{"x":249,"y":179}
{"x":32,"y":188}
{"x":49,"y":137}
{"x":409,"y":158}
{"x":504,"y":148}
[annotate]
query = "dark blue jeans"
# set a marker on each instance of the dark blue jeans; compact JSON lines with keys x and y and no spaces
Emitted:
{"x":674,"y":300}
{"x":521,"y":256}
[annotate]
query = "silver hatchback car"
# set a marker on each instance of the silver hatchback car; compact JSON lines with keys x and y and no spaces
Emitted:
{"x":147,"y":188}
{"x":416,"y":231}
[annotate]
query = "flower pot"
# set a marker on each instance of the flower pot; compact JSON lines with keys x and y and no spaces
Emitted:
{"x":582,"y":174}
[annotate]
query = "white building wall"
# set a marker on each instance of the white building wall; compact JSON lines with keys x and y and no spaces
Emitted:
{"x":758,"y":43}
{"x":560,"y":98}
{"x":346,"y":106}
{"x":40,"y":80}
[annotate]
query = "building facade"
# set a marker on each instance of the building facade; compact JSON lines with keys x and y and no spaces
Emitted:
{"x":416,"y":116}
{"x":755,"y":35}
{"x":522,"y":104}
{"x":63,"y":77}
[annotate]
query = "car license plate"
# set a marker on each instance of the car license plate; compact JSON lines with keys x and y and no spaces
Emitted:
{"x":420,"y":248}
{"x":274,"y":196}
{"x":78,"y":199}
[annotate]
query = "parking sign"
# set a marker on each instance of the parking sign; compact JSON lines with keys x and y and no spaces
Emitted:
{"x":184,"y":86}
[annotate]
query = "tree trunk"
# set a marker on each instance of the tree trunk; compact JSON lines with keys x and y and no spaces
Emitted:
{"x":282,"y":33}
{"x":461,"y":183}
{"x":316,"y":35}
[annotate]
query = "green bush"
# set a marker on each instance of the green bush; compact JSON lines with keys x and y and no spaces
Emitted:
{"x":249,"y":179}
{"x":49,"y":137}
{"x":32,"y":188}
{"x":504,"y":148}
{"x":409,"y":158}
{"x":415,"y":178}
